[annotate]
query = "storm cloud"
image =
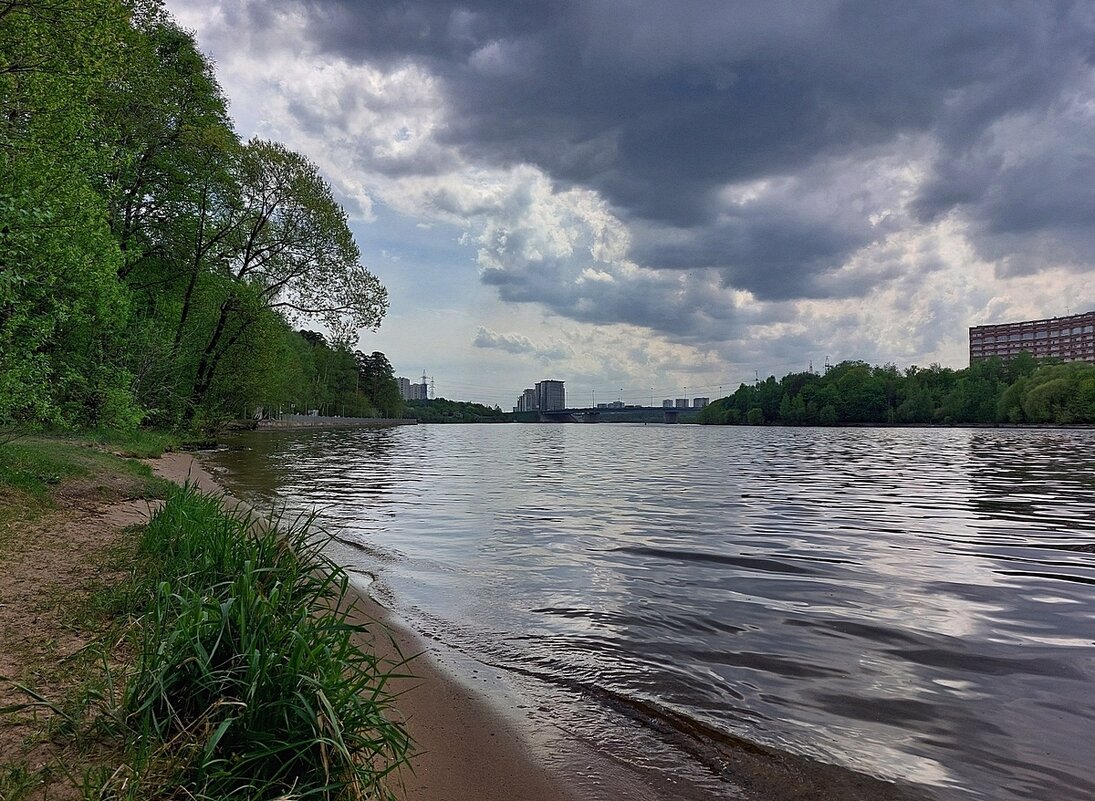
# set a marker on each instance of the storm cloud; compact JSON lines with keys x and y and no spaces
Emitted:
{"x":695,"y":167}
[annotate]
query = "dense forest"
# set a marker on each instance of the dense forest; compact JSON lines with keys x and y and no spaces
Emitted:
{"x":987,"y":392}
{"x":154,"y":268}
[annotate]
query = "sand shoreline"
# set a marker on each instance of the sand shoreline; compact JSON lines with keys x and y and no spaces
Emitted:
{"x":466,"y":750}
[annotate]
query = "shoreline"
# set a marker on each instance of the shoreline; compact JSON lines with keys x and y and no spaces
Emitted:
{"x":295,"y":422}
{"x":485,"y":734}
{"x":465,"y":749}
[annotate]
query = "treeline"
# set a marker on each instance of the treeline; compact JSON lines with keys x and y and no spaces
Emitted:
{"x":987,"y":392}
{"x":333,"y":381}
{"x":153,"y":266}
{"x":442,"y":410}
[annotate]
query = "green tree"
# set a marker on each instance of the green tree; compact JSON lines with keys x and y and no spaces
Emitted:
{"x":917,"y":407}
{"x":292,"y":252}
{"x":377,"y":382}
{"x":169,"y":132}
{"x":1047,"y":401}
{"x":149,"y":261}
{"x":61,"y":310}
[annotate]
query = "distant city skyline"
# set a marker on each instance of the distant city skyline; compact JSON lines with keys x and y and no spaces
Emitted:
{"x":1069,"y":337}
{"x":409,"y":390}
{"x":683,"y":194}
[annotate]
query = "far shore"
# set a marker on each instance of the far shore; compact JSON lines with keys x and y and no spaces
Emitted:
{"x":306,"y":421}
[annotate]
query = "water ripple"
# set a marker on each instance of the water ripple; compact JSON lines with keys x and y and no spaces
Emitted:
{"x":914,"y":604}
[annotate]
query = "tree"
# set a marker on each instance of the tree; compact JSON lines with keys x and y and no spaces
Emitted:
{"x":292,"y":252}
{"x":169,"y":134}
{"x":1047,"y":401}
{"x":61,"y":309}
{"x":150,"y":261}
{"x":1022,"y":365}
{"x":376,"y":381}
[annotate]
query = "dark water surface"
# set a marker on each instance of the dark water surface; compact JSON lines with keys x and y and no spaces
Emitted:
{"x":918,"y":605}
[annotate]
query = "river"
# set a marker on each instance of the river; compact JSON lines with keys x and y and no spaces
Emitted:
{"x":914,"y":604}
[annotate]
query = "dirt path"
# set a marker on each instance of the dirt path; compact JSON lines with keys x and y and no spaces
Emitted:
{"x":48,"y":568}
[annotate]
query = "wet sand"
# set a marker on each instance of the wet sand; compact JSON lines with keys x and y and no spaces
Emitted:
{"x":466,"y":750}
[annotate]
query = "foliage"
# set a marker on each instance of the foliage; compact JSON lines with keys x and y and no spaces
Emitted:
{"x":376,"y":380}
{"x":249,"y":683}
{"x":232,"y":669}
{"x":332,"y":380}
{"x":441,"y":410}
{"x":150,"y":261}
{"x":988,"y":392}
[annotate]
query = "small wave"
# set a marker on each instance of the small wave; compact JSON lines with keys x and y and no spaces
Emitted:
{"x":380,"y":554}
{"x":732,"y":759}
{"x":699,"y":557}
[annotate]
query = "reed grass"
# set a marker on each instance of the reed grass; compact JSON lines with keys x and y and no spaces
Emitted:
{"x":248,"y":680}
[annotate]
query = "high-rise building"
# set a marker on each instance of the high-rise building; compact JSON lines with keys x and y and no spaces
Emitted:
{"x":526,"y":401}
{"x":699,"y":403}
{"x":550,"y":395}
{"x":409,"y":391}
{"x":681,"y":403}
{"x":1070,"y":338}
{"x":667,"y":403}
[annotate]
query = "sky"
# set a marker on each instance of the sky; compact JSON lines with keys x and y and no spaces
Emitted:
{"x":652,"y":199}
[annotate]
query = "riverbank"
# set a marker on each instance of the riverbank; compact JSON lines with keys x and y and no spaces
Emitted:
{"x":464,"y":749}
{"x":68,"y":544}
{"x":474,"y":737}
{"x":66,"y":515}
{"x":290,"y":422}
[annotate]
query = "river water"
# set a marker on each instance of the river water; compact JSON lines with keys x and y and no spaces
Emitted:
{"x":917,"y":605}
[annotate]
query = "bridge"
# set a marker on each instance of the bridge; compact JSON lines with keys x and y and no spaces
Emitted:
{"x":602,"y":414}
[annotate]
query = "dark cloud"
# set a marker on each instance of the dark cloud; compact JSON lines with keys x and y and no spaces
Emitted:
{"x":1026,"y":190}
{"x":771,"y":251}
{"x":659,"y":106}
{"x":687,"y":308}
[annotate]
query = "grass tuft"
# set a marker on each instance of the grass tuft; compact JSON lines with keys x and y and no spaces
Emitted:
{"x":248,"y":681}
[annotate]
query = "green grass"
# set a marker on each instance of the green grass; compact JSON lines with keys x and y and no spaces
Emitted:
{"x":227,"y":665}
{"x":141,"y":444}
{"x":32,"y":468}
{"x":34,"y":464}
{"x":18,"y":782}
{"x":248,"y":681}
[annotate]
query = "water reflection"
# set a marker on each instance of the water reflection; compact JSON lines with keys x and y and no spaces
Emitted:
{"x":915,"y":604}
